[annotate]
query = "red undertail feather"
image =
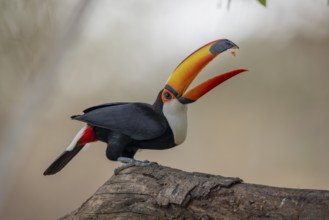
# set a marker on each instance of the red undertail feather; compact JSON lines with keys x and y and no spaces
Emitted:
{"x":88,"y":136}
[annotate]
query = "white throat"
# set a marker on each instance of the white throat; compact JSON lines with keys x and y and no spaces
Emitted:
{"x":176,"y":114}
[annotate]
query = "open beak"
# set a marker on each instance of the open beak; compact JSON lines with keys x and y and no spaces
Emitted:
{"x":189,"y":68}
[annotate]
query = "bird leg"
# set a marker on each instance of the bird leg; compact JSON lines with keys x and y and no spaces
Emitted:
{"x":130,"y":162}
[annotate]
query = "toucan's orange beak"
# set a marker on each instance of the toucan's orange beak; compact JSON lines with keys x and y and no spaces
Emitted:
{"x":187,"y":70}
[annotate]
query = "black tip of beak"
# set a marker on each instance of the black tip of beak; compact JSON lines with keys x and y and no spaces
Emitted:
{"x":222,"y":46}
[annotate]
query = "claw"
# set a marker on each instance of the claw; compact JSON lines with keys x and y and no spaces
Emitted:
{"x":129,"y":162}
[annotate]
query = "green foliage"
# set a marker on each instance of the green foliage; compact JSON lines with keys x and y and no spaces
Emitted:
{"x":263,"y":2}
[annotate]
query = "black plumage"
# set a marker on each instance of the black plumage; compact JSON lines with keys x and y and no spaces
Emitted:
{"x":62,"y":160}
{"x":127,"y":127}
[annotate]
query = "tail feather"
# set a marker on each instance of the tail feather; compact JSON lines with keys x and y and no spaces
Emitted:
{"x":62,"y":160}
{"x":84,"y":136}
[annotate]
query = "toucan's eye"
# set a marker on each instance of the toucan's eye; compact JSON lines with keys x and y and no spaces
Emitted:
{"x":167,"y":95}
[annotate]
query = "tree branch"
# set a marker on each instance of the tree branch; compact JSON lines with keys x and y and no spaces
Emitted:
{"x":158,"y":192}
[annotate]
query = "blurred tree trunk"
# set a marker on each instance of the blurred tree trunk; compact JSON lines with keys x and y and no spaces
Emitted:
{"x":157,"y":192}
{"x":32,"y":47}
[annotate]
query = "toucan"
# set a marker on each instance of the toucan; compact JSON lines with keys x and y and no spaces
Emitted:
{"x":127,"y":127}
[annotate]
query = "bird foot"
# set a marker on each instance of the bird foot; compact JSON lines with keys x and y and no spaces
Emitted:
{"x":129,"y":162}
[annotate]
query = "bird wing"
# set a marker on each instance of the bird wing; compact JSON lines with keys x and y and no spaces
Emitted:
{"x":104,"y":105}
{"x":136,"y":120}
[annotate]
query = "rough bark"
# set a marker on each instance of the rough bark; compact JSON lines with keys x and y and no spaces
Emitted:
{"x":158,"y":192}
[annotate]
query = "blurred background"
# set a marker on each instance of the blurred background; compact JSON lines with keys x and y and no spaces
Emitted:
{"x":267,"y":126}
